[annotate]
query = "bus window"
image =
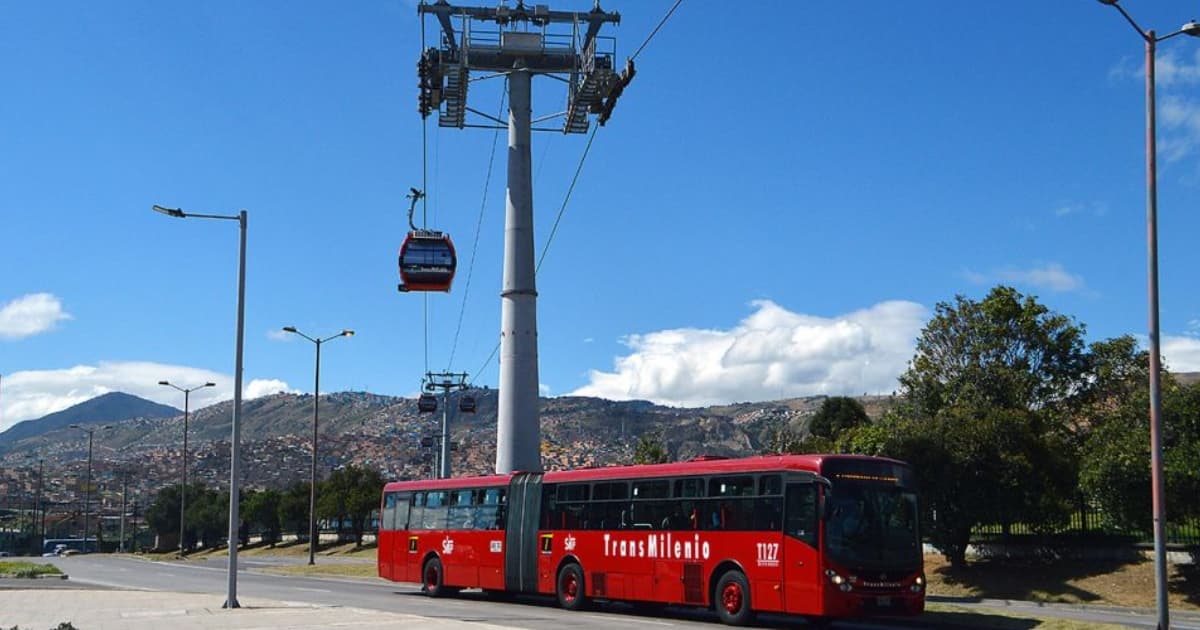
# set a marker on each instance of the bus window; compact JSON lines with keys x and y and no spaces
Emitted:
{"x":389,"y":511}
{"x":731,"y":486}
{"x":462,"y":510}
{"x":416,"y":516}
{"x":610,"y":490}
{"x":693,"y":487}
{"x":651,"y":489}
{"x":770,"y":485}
{"x":436,"y":509}
{"x":801,"y":518}
{"x":395,"y":511}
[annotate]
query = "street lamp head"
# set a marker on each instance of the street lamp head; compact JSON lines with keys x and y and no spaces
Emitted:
{"x":75,"y":426}
{"x":171,"y":212}
{"x":210,"y":384}
{"x":347,"y":333}
{"x":164,"y":383}
{"x":1108,"y":1}
{"x":1191,"y":28}
{"x":291,"y":329}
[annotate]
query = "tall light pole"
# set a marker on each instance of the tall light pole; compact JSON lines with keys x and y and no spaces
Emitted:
{"x":87,"y":490}
{"x":1156,"y":465}
{"x":187,"y":392}
{"x":37,"y":504}
{"x":312,"y":486}
{"x":235,"y":456}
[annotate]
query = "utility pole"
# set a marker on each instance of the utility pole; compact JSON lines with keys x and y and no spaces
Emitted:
{"x":584,"y":61}
{"x":446,"y":382}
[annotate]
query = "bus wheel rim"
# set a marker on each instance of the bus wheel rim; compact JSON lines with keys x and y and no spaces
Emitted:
{"x":731,"y":598}
{"x":431,"y":577}
{"x":570,"y":587}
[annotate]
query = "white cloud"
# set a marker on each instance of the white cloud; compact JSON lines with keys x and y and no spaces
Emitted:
{"x":1049,"y":277}
{"x":1077,"y":208}
{"x":260,"y":387}
{"x":29,"y":315}
{"x":35,"y":393}
{"x":773,"y":353}
{"x":1179,"y":117}
{"x":1181,"y":354}
{"x":278,"y":334}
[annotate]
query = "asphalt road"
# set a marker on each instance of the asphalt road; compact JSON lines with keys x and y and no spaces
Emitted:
{"x":211,"y":576}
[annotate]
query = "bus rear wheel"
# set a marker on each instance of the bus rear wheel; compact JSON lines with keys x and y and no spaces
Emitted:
{"x":733,"y":599}
{"x":570,"y":588}
{"x":433,"y":579}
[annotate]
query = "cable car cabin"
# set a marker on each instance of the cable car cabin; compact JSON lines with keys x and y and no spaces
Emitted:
{"x":427,"y":261}
{"x":427,"y":403}
{"x":466,"y":404}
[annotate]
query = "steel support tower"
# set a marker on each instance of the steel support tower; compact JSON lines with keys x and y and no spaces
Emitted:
{"x":584,"y":60}
{"x":446,"y":382}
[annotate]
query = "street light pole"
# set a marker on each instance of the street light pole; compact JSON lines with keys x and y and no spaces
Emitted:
{"x":1156,"y":465}
{"x":235,"y":456}
{"x":187,"y":392}
{"x":312,"y":486}
{"x":87,"y":491}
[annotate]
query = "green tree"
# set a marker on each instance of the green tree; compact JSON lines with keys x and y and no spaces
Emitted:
{"x":650,"y":449}
{"x":293,"y":509}
{"x":836,"y":416}
{"x":162,"y":516}
{"x":262,"y":513}
{"x":988,"y":394}
{"x":351,"y":493}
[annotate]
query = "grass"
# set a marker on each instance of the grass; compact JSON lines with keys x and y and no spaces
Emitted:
{"x":288,"y":549}
{"x":21,"y":569}
{"x":357,"y":569}
{"x":1102,"y":582}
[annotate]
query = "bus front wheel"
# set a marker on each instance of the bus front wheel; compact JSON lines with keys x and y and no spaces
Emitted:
{"x":733,"y":599}
{"x":570,"y":589}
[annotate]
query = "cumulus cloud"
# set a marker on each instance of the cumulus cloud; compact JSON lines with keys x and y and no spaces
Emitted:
{"x":1049,"y":277}
{"x":1176,"y":73}
{"x":278,"y":334}
{"x":773,"y":353}
{"x":1181,"y":354}
{"x":30,"y":315}
{"x":35,"y":393}
{"x":260,"y":387}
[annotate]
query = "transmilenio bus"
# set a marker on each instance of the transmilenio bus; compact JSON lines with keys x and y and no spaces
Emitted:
{"x":824,"y":536}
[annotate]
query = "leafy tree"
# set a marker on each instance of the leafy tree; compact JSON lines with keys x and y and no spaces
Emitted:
{"x":988,"y":392}
{"x":262,"y":512}
{"x":836,"y":416}
{"x":650,"y":450}
{"x":162,"y":516}
{"x":353,"y":493}
{"x":293,"y":509}
{"x":207,"y":516}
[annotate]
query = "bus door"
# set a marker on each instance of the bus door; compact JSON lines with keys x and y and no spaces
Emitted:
{"x":521,"y":533}
{"x":801,"y":556}
{"x":393,"y":531}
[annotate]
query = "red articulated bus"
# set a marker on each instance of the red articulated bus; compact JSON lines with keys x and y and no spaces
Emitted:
{"x":823,"y":536}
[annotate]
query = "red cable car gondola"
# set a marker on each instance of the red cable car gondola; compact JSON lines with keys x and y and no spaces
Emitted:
{"x":427,"y":261}
{"x":427,"y":258}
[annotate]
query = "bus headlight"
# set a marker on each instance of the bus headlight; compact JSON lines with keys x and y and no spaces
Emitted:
{"x":841,"y":582}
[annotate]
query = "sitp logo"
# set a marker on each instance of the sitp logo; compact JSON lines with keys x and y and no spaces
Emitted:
{"x":447,"y":545}
{"x":497,"y":546}
{"x":569,"y":543}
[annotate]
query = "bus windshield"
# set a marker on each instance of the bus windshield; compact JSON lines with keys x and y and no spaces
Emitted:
{"x":873,"y":526}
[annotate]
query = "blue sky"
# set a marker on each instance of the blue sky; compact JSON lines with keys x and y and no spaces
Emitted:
{"x":783,"y":194}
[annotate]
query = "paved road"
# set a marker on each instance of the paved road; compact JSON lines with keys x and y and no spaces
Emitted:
{"x":211,"y":576}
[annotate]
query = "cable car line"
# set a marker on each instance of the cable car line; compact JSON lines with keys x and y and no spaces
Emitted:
{"x":475,"y":244}
{"x":652,"y":33}
{"x":626,"y":77}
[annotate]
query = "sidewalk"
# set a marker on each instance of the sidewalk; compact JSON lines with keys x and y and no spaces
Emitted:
{"x":135,"y":610}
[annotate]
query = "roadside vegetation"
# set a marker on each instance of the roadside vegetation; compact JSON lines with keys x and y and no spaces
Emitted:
{"x":22,"y":569}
